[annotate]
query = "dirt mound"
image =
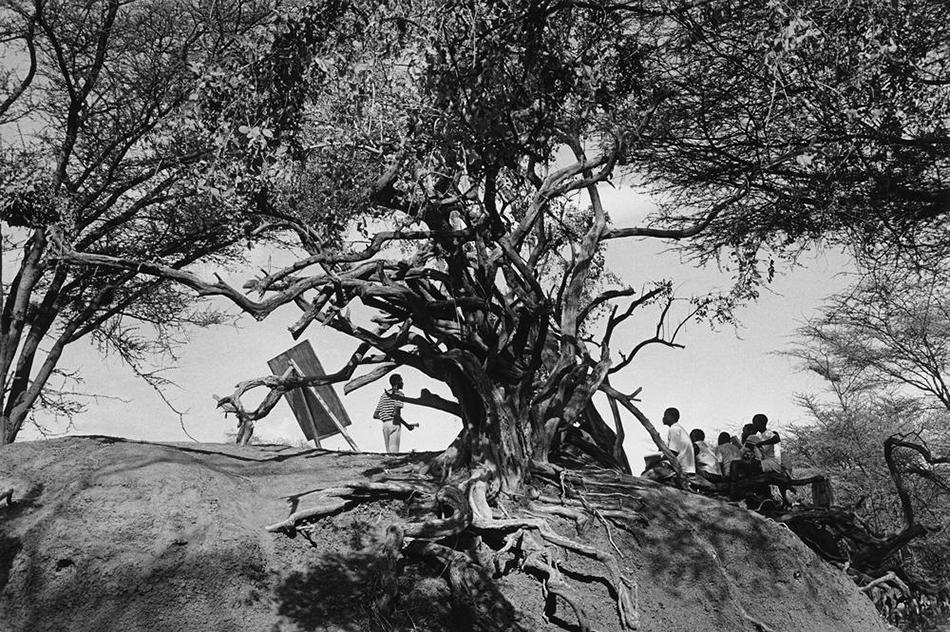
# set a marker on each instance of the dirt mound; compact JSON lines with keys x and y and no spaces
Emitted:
{"x":108,"y":534}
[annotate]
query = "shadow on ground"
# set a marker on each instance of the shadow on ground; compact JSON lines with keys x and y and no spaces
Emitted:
{"x":342,"y":592}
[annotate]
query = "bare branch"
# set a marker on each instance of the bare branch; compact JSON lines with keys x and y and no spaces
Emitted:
{"x":430,"y":400}
{"x":280,"y":384}
{"x":679,"y":233}
{"x":901,"y":441}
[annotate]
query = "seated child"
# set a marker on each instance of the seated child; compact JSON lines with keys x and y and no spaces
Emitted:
{"x":706,"y":461}
{"x":726,"y":453}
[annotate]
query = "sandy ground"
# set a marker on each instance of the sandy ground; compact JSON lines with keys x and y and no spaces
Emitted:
{"x":115,"y":535}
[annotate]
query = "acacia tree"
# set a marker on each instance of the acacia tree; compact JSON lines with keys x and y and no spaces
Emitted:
{"x":104,"y":151}
{"x":882,"y":349}
{"x":464,"y":147}
{"x":890,"y":331}
{"x":494,"y":296}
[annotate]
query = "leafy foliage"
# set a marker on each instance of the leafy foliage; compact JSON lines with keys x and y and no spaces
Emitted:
{"x":843,"y":106}
{"x":891,"y":331}
{"x":457,"y":139}
{"x":881,"y":348}
{"x":102,"y":154}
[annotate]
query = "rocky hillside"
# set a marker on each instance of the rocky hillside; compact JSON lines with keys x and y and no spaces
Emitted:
{"x":107,"y":534}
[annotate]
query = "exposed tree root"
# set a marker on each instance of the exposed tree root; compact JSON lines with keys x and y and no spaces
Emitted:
{"x":341,"y":497}
{"x":514,"y":542}
{"x":891,"y":577}
{"x":555,"y":586}
{"x":581,"y":519}
{"x":326,"y":509}
{"x":387,"y":570}
{"x":473,"y":591}
{"x":629,"y":616}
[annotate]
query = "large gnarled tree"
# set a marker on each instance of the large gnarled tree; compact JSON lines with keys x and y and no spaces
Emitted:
{"x":443,"y":182}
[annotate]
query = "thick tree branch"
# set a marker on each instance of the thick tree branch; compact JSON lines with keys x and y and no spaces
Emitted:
{"x":430,"y":400}
{"x":901,"y":441}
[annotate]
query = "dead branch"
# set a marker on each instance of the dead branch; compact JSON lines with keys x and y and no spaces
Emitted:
{"x":602,"y":298}
{"x":901,"y":441}
{"x":658,"y":337}
{"x":837,"y":536}
{"x":328,"y":508}
{"x":369,"y":378}
{"x":624,"y":401}
{"x":280,"y":384}
{"x":311,"y":312}
{"x":889,"y":577}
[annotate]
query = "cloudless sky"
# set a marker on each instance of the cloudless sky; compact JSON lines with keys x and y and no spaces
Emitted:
{"x":718,"y":381}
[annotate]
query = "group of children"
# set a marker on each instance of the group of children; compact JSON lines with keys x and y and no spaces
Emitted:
{"x":757,"y":451}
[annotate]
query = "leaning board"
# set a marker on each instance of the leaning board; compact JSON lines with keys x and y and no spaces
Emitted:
{"x":303,"y":402}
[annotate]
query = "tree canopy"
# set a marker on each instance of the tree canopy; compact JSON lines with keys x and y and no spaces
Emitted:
{"x":889,"y":332}
{"x":836,"y":112}
{"x":104,"y":152}
{"x":456,"y":141}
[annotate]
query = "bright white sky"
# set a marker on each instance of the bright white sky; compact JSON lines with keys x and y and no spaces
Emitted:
{"x":718,"y":381}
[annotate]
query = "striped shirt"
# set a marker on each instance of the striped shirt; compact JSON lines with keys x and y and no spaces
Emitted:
{"x":387,"y":407}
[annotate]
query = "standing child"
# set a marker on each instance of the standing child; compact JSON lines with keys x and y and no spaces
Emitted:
{"x":389,"y":411}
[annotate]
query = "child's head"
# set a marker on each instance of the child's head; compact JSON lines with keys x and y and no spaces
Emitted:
{"x":670,"y":416}
{"x":724,"y":437}
{"x":697,"y":435}
{"x":747,"y":430}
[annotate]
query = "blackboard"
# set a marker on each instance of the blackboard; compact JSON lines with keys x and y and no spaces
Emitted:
{"x":303,"y":402}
